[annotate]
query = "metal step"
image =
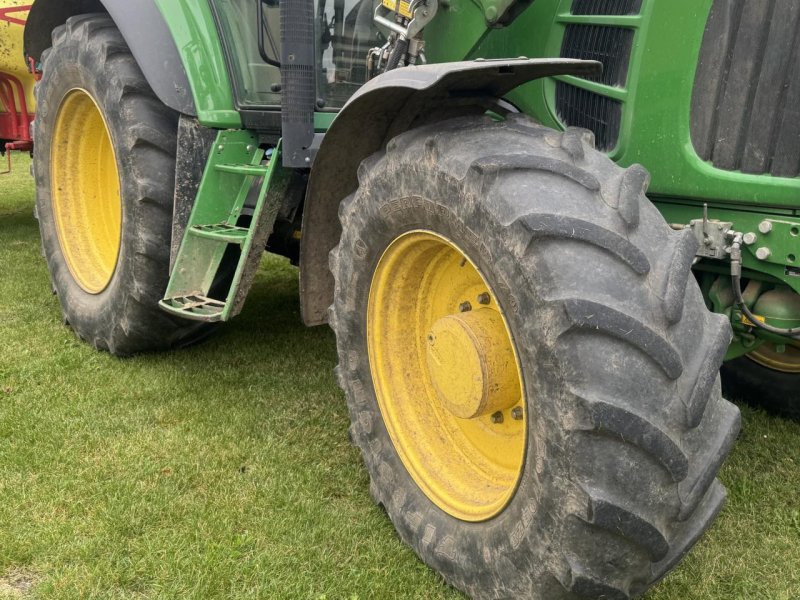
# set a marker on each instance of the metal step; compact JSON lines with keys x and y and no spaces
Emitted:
{"x":247,"y":170}
{"x":230,"y":234}
{"x":235,"y":169}
{"x":194,"y":307}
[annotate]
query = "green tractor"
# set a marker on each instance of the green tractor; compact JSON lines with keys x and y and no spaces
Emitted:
{"x":534,"y":267}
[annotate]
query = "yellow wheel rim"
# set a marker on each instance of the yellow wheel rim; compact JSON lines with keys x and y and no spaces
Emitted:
{"x":768,"y":356}
{"x":447,"y":376}
{"x":85,"y":191}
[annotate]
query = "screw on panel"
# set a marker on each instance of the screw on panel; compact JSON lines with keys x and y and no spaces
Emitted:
{"x":484,"y":298}
{"x":765,"y":226}
{"x":497,"y":417}
{"x":763,"y":253}
{"x":749,"y":238}
{"x":464,"y":307}
{"x":516,"y":413}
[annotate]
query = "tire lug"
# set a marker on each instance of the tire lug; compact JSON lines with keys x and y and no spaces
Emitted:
{"x":484,"y":298}
{"x":497,"y":418}
{"x":516,"y":413}
{"x":464,"y":307}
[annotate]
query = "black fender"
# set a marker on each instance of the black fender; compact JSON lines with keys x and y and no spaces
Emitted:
{"x":144,"y":30}
{"x":383,"y":108}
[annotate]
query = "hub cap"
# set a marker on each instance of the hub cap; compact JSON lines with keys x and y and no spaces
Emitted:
{"x":85,"y":192}
{"x":446,"y":375}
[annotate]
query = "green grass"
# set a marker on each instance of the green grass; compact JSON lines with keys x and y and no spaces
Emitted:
{"x":225,"y":471}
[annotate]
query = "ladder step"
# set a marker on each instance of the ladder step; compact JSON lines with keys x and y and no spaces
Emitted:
{"x":194,"y":307}
{"x":249,"y":170}
{"x":222,"y":232}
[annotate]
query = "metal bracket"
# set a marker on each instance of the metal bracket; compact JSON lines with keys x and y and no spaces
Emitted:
{"x":713,"y":236}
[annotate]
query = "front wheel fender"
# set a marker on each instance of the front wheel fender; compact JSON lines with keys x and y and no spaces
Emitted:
{"x":383,"y":108}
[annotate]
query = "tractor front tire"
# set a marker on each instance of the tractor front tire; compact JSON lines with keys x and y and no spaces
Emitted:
{"x":530,"y":370}
{"x":104,"y":164}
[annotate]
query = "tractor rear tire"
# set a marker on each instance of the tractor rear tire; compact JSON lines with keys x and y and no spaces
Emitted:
{"x":623,"y":425}
{"x":104,"y":164}
{"x":775,"y":391}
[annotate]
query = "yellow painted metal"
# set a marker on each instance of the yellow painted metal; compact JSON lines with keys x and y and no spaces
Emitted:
{"x":12,"y":60}
{"x":401,"y":7}
{"x":767,"y":355}
{"x":447,"y":376}
{"x":85,"y":190}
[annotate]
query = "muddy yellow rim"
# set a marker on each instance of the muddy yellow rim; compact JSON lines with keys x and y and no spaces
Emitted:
{"x":787,"y":361}
{"x":85,"y":191}
{"x":447,"y":375}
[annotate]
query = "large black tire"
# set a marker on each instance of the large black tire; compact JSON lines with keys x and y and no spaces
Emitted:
{"x":619,"y":355}
{"x":89,"y":53}
{"x":775,"y":391}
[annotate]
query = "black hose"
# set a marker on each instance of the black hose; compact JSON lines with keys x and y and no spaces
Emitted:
{"x":398,"y":52}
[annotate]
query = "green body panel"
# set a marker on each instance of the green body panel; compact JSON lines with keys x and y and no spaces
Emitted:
{"x":657,"y":97}
{"x":194,"y":31}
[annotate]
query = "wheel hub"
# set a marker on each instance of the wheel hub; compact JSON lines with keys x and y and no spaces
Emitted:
{"x":471,"y":364}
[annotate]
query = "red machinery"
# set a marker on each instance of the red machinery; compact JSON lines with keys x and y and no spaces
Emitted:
{"x":16,"y":113}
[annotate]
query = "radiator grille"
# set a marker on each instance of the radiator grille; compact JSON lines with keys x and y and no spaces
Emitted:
{"x":606,"y":7}
{"x":581,"y":108}
{"x":610,"y":45}
{"x":746,"y":98}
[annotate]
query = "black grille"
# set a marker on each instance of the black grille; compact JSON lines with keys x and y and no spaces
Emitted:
{"x":745,"y":105}
{"x":606,"y":7}
{"x":609,"y":45}
{"x":581,"y":108}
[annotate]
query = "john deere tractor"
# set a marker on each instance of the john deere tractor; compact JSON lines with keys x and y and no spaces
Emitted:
{"x":534,"y":267}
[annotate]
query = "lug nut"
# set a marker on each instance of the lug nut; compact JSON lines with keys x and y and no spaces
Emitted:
{"x":497,"y":417}
{"x":765,"y":226}
{"x":763,"y":253}
{"x":749,"y":238}
{"x":464,"y":307}
{"x":484,"y":298}
{"x":516,"y":413}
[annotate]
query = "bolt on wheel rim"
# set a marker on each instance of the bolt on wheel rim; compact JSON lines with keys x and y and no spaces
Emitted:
{"x":447,"y":376}
{"x":85,"y":192}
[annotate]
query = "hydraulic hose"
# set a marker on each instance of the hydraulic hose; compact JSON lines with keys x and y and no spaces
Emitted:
{"x":398,"y":52}
{"x":736,"y":279}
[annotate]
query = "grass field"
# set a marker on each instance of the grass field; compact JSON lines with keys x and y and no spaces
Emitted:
{"x":225,"y":471}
